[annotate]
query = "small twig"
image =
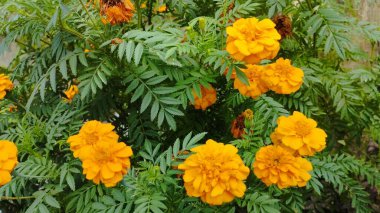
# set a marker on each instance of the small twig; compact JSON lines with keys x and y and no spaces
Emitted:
{"x":17,"y":198}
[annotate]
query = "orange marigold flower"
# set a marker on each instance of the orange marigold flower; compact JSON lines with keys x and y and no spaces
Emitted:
{"x":161,"y":8}
{"x":91,"y":134}
{"x":299,"y":134}
{"x":251,"y":40}
{"x":282,"y":77}
{"x":276,"y":165}
{"x":256,"y":86}
{"x":108,"y":163}
{"x":8,"y":160}
{"x":12,"y":108}
{"x":5,"y":85}
{"x":71,"y":92}
{"x":116,"y":11}
{"x":208,"y":98}
{"x":215,"y":173}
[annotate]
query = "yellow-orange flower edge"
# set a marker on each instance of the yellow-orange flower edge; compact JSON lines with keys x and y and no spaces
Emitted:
{"x":256,"y":86}
{"x":275,"y":165}
{"x":251,"y":40}
{"x":108,"y":163}
{"x":5,"y":85}
{"x":215,"y":173}
{"x":8,"y":160}
{"x":71,"y":92}
{"x":91,"y":134}
{"x":282,"y":78}
{"x":208,"y":98}
{"x":299,"y":134}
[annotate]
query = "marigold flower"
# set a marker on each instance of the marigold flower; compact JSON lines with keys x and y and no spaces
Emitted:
{"x":91,"y":134}
{"x":276,"y":165}
{"x":116,"y":11}
{"x":215,"y":173}
{"x":238,"y":124}
{"x":283,"y":25}
{"x":161,"y":8}
{"x":256,"y":86}
{"x":71,"y":92}
{"x":108,"y":163}
{"x":12,"y":108}
{"x":208,"y":98}
{"x":8,"y":160}
{"x":299,"y":134}
{"x":282,"y":77}
{"x":251,"y":40}
{"x":5,"y":85}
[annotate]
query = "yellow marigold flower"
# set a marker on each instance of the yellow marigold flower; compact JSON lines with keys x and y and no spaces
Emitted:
{"x":5,"y":85}
{"x":108,"y":163}
{"x":71,"y":92}
{"x":251,"y":40}
{"x":143,"y":5}
{"x":91,"y":134}
{"x":256,"y":86}
{"x":248,"y":113}
{"x":299,"y":134}
{"x":276,"y":165}
{"x":8,"y":161}
{"x":161,"y":8}
{"x":215,"y":173}
{"x":208,"y":98}
{"x":282,"y":77}
{"x":116,"y":11}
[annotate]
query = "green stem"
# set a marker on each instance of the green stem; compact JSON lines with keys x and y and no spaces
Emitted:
{"x":85,"y":9}
{"x":17,"y":198}
{"x":309,"y":4}
{"x":139,"y":15}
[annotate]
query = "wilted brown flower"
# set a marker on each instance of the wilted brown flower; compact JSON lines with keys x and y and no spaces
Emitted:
{"x":283,"y":25}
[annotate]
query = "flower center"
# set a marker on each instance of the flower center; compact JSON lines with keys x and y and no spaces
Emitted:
{"x":303,"y":128}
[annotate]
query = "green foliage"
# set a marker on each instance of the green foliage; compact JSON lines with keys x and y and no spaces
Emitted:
{"x":141,"y":76}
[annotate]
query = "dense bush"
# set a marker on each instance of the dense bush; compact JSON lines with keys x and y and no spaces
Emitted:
{"x":169,"y":75}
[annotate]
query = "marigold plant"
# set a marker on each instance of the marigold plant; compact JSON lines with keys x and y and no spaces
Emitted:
{"x":276,"y":165}
{"x":256,"y":85}
{"x":5,"y":85}
{"x":8,"y":161}
{"x":215,"y":173}
{"x":110,"y":104}
{"x":299,"y":134}
{"x":251,"y":40}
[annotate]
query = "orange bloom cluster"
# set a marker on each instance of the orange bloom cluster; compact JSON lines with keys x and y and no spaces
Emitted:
{"x":282,"y":78}
{"x":238,"y":124}
{"x":104,"y":158}
{"x":282,"y":163}
{"x":215,"y":173}
{"x":116,"y":11}
{"x":8,"y":161}
{"x":5,"y":85}
{"x":276,"y":165}
{"x":208,"y":98}
{"x":256,"y":86}
{"x":299,"y":135}
{"x":251,"y":40}
{"x":71,"y":92}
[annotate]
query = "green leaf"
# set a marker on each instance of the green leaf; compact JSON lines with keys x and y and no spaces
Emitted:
{"x":63,"y":69}
{"x":130,"y":50}
{"x":98,"y":206}
{"x":138,"y":53}
{"x":145,"y":102}
{"x":51,"y":201}
{"x":73,"y":64}
{"x":154,"y":110}
{"x":139,"y":91}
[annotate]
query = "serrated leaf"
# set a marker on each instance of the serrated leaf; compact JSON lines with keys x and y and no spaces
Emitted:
{"x":138,"y":53}
{"x":145,"y":102}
